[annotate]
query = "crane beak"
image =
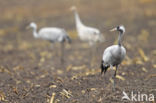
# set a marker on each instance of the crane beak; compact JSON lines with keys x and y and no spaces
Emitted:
{"x":114,"y":29}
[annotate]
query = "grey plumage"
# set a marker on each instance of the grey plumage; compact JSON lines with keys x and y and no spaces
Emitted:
{"x":86,"y":33}
{"x":52,"y":34}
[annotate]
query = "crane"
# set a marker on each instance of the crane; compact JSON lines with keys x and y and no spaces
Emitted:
{"x":52,"y":34}
{"x":114,"y":55}
{"x":86,"y":33}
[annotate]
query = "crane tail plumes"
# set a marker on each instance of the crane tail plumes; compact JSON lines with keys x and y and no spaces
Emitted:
{"x":68,"y":39}
{"x":103,"y":68}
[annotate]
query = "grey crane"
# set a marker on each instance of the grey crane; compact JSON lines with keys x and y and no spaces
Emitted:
{"x":86,"y":33}
{"x":52,"y":34}
{"x":114,"y":55}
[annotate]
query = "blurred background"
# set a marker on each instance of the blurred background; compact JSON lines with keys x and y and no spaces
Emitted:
{"x":30,"y":69}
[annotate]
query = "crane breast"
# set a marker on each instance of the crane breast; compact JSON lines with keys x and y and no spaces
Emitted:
{"x":114,"y":55}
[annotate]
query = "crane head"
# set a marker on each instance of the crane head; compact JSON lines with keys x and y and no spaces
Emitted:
{"x":32,"y":25}
{"x":120,"y":28}
{"x":73,"y":8}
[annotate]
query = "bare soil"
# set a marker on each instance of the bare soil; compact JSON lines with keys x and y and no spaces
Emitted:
{"x":31,"y":71}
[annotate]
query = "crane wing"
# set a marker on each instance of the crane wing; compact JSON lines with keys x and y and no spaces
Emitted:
{"x":52,"y":34}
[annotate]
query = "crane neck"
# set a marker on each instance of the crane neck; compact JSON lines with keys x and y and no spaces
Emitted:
{"x":77,"y":19}
{"x":119,"y":38}
{"x":35,"y":32}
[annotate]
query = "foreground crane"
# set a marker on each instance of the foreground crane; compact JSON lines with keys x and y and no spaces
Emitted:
{"x":114,"y":55}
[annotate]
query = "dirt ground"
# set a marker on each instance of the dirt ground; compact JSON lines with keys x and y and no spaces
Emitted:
{"x":31,"y":71}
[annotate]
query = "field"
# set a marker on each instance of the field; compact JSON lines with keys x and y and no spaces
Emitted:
{"x":31,"y":71}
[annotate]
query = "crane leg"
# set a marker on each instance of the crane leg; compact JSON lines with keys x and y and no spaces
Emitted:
{"x":93,"y":52}
{"x":116,"y":70}
{"x":96,"y":52}
{"x":114,"y":77}
{"x":91,"y":57}
{"x":62,"y":53}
